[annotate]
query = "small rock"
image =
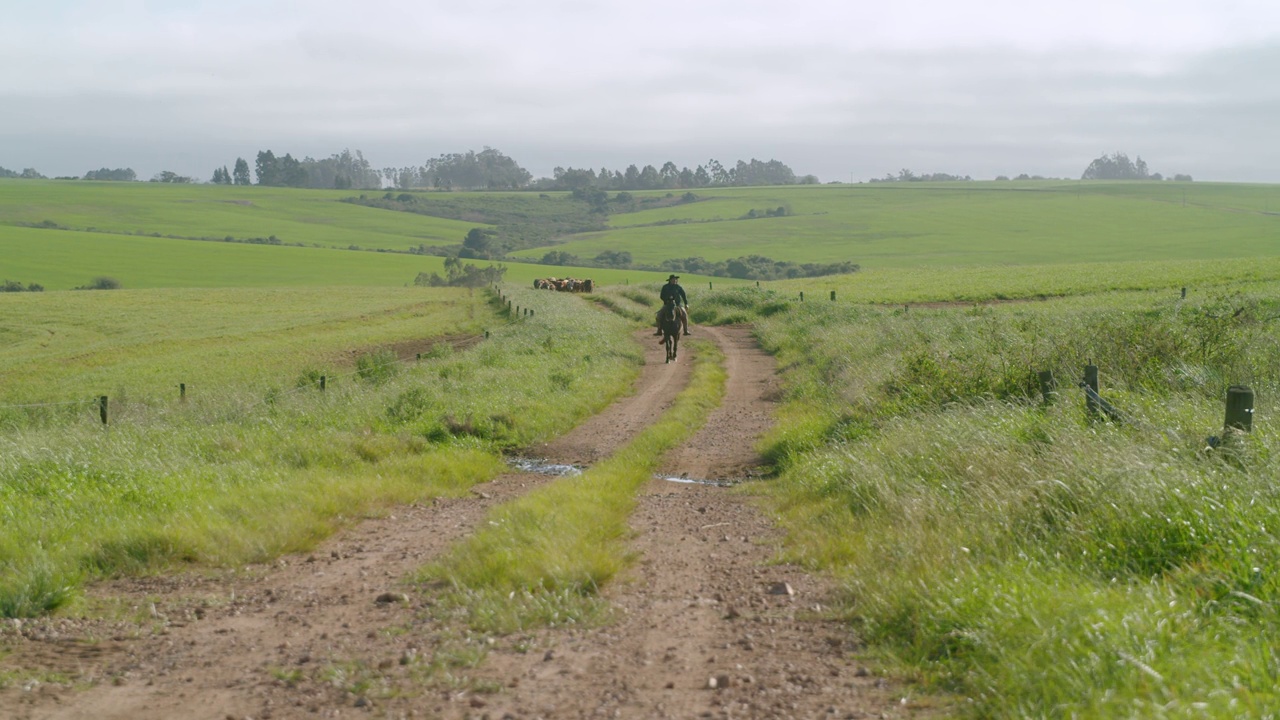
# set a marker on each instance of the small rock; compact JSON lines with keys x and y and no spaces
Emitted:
{"x":862,"y":672}
{"x":718,"y":682}
{"x":361,"y":702}
{"x":386,"y":664}
{"x":477,"y":702}
{"x":393,"y":597}
{"x":549,"y":656}
{"x":781,"y":588}
{"x":732,"y":613}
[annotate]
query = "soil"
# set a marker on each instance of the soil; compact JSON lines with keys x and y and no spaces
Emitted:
{"x":704,"y":625}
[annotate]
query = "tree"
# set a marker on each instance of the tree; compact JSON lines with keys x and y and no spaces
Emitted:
{"x":169,"y":176}
{"x":118,"y":174}
{"x":241,"y":174}
{"x":265,"y":168}
{"x":1116,"y":166}
{"x":477,"y":244}
{"x":487,"y":169}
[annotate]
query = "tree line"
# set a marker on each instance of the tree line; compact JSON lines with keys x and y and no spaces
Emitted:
{"x":1117,"y":166}
{"x":669,"y":177}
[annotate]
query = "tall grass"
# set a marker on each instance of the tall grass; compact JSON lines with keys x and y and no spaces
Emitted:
{"x":542,"y":559}
{"x":234,"y":480}
{"x":1020,"y":555}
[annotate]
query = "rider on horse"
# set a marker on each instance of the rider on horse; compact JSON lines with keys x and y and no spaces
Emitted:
{"x":672,"y":295}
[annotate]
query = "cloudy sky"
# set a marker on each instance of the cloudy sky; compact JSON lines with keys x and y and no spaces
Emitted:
{"x":838,"y":88}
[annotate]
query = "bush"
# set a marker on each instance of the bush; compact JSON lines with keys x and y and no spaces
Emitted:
{"x":377,"y":367}
{"x":102,"y":283}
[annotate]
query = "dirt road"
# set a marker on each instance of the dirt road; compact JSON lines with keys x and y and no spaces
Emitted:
{"x":706,"y":626}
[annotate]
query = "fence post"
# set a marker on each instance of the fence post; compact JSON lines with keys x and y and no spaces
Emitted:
{"x":709,"y":285}
{"x":182,"y":392}
{"x":833,"y":296}
{"x":102,"y":408}
{"x":801,"y":296}
{"x":757,"y":283}
{"x":1048,"y":386}
{"x":1091,"y":380}
{"x":1239,"y":408}
{"x":1184,"y":293}
{"x":324,"y":381}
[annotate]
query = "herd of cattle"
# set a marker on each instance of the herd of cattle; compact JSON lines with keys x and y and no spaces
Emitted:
{"x":564,"y":284}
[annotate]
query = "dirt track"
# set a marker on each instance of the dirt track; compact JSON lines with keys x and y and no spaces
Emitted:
{"x":307,"y":638}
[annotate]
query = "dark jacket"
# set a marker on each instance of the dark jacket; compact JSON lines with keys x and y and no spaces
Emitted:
{"x":671,"y":291}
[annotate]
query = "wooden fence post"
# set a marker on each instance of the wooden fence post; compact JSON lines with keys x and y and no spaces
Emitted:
{"x":102,"y":408}
{"x":709,"y":285}
{"x":801,"y":296}
{"x":1091,"y":381}
{"x":833,"y":296}
{"x":1184,"y":293}
{"x":324,"y":381}
{"x":1048,"y":386}
{"x":182,"y":392}
{"x":1239,"y":408}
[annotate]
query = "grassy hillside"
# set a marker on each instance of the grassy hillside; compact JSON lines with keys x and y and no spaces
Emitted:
{"x":62,"y":259}
{"x":955,"y":224}
{"x":309,"y":217}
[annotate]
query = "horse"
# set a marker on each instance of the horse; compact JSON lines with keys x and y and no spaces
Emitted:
{"x":669,"y":323}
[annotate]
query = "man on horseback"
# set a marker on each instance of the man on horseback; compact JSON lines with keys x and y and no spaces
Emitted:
{"x":673,"y":297}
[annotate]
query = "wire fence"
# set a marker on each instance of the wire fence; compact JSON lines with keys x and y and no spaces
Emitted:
{"x":271,"y":396}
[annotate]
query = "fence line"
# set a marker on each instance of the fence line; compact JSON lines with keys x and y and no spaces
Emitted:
{"x":273,"y":396}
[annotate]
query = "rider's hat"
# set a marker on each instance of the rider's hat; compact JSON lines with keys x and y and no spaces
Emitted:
{"x":673,"y":277}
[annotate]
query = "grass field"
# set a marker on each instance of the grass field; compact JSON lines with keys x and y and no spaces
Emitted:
{"x":310,"y":217}
{"x":957,"y":224}
{"x":1032,"y":561}
{"x":248,"y":469}
{"x":61,"y":260}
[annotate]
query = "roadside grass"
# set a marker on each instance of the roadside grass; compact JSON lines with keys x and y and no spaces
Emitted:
{"x":221,"y":485}
{"x":1016,"y":554}
{"x":542,"y":559}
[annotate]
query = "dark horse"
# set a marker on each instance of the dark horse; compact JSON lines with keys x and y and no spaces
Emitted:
{"x":669,"y":322}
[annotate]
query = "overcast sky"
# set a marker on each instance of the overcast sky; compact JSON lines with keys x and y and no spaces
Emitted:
{"x":841,"y":89}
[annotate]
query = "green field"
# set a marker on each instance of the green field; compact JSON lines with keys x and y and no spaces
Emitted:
{"x":214,"y":212}
{"x":956,"y":224}
{"x":148,"y":235}
{"x":1017,"y":555}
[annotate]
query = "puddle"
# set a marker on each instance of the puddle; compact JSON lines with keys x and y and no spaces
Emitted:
{"x":694,"y":481}
{"x":542,"y":467}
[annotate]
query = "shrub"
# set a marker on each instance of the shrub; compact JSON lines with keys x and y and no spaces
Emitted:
{"x":378,"y":366}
